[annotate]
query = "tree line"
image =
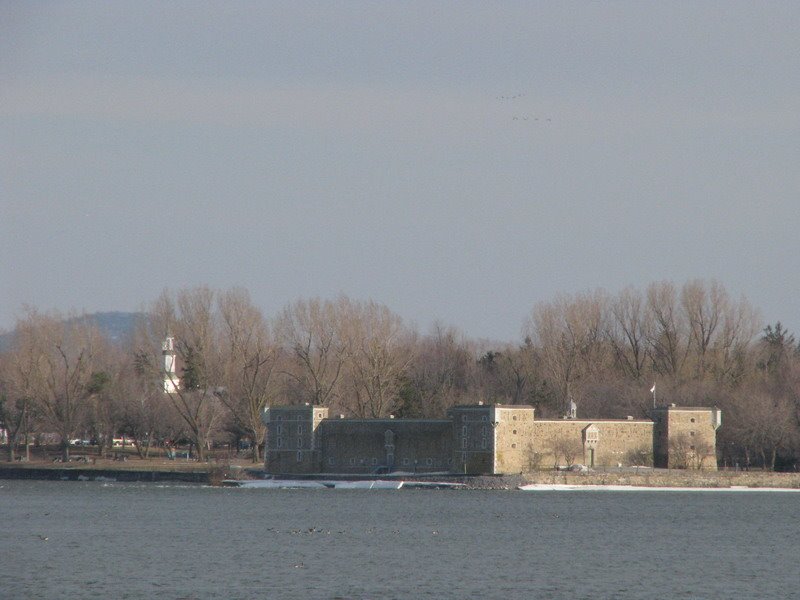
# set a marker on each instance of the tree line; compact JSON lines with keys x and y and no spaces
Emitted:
{"x":695,"y":343}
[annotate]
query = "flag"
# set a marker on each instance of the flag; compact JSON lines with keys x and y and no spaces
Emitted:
{"x":653,"y":389}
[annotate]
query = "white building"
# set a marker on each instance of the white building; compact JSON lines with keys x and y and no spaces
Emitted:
{"x":171,"y":381}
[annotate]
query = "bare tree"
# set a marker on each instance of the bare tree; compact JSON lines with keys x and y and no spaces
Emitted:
{"x":534,"y":458}
{"x":440,"y":375}
{"x":628,"y":330}
{"x":514,"y":375}
{"x":310,"y":331}
{"x":146,"y":414}
{"x":250,"y":361}
{"x":567,"y":447}
{"x":704,"y":306}
{"x":189,"y":317}
{"x":106,"y":407}
{"x":681,"y":451}
{"x":765,"y":425}
{"x":68,"y":356}
{"x":668,"y":339}
{"x":378,"y":353}
{"x":19,"y":368}
{"x":732,"y":347}
{"x":640,"y":457}
{"x":569,"y":333}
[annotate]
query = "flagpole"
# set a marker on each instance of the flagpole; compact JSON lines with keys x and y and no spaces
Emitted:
{"x":653,"y":389}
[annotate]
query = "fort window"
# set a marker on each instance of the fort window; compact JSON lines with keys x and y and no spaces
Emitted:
{"x":691,"y":447}
{"x":513,"y":445}
{"x":514,"y":432}
{"x":352,"y":461}
{"x":483,"y":430}
{"x":691,"y":433}
{"x":691,"y":420}
{"x":280,"y":442}
{"x":464,"y":418}
{"x":300,"y":456}
{"x":299,"y":430}
{"x":464,"y":431}
{"x":429,"y":461}
{"x":374,"y":461}
{"x":279,"y":429}
{"x":463,"y":442}
{"x":483,"y":444}
{"x":484,"y":418}
{"x":299,"y":442}
{"x":331,"y":461}
{"x":514,"y":418}
{"x":405,"y":462}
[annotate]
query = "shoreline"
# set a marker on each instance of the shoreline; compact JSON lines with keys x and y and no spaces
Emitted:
{"x":48,"y":473}
{"x":672,"y":478}
{"x":558,"y":487}
{"x":214,"y":474}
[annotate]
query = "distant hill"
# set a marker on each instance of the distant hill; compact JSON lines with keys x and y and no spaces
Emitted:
{"x":116,"y":326}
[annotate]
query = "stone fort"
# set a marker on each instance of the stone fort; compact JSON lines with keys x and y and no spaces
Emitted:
{"x":485,"y":439}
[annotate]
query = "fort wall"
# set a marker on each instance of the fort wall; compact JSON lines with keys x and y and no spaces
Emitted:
{"x":685,"y":437}
{"x":594,"y":443}
{"x":473,"y":438}
{"x":374,"y":445}
{"x":514,"y":439}
{"x":292,"y":441}
{"x":486,"y":439}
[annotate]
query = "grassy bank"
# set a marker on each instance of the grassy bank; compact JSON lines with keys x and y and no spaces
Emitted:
{"x":132,"y":468}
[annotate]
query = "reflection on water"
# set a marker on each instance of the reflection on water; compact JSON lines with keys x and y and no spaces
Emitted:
{"x":103,"y":540}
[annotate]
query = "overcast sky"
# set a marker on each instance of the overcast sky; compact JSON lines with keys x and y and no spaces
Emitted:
{"x":455,"y":161}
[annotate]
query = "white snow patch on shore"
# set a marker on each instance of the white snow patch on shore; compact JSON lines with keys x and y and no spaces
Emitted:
{"x":546,"y":487}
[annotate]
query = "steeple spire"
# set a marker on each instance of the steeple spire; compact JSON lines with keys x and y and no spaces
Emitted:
{"x":171,"y":380}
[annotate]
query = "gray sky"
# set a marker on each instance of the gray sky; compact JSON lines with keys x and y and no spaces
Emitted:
{"x":371,"y":149}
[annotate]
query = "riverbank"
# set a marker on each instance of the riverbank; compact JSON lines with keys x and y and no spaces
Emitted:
{"x":130,"y":471}
{"x":214,"y":473}
{"x":669,"y":478}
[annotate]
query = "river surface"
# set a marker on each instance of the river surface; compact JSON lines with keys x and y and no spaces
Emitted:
{"x":70,"y":540}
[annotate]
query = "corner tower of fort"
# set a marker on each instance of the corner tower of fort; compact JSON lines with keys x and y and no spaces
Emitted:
{"x":685,"y":437}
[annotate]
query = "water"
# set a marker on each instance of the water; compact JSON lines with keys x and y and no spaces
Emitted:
{"x":144,"y":540}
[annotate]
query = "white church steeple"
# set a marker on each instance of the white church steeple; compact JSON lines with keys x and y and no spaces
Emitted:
{"x":171,"y":380}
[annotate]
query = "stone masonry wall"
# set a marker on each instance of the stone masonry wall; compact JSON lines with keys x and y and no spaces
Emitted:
{"x":485,"y":439}
{"x":514,"y":433}
{"x":690,"y":438}
{"x":372,"y":445}
{"x":559,"y":443}
{"x":291,"y":441}
{"x":473,"y":439}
